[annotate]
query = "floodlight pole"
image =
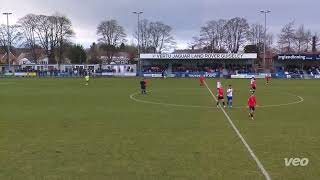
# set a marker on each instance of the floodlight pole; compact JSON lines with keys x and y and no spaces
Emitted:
{"x":138,"y":16}
{"x":8,"y":40}
{"x":265,"y":12}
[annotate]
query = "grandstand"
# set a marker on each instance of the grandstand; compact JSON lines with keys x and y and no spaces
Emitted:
{"x":297,"y":66}
{"x":193,"y":65}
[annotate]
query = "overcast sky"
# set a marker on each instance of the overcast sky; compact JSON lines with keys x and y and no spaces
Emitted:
{"x":184,"y":16}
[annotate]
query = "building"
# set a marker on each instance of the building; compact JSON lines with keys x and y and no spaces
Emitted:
{"x":193,"y":65}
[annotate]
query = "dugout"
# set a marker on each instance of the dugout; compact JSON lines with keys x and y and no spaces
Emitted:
{"x":193,"y":65}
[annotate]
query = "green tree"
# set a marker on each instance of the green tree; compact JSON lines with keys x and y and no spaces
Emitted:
{"x":77,"y":54}
{"x":110,"y":50}
{"x":251,"y":49}
{"x":122,"y":47}
{"x":94,"y":54}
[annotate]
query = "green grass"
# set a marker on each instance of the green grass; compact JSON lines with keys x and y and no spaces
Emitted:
{"x":59,"y":129}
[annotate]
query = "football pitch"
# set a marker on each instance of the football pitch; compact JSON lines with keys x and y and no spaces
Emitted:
{"x":60,"y":129}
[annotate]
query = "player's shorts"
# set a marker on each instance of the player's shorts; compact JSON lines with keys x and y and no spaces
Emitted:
{"x":229,"y":98}
{"x":252,"y":108}
{"x":143,"y":87}
{"x":220,"y":97}
{"x":254,"y":87}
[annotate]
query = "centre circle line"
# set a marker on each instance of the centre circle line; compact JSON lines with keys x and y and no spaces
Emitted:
{"x":133,"y":97}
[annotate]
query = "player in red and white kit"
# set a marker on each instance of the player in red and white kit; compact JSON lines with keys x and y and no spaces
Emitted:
{"x":253,"y":84}
{"x":202,"y":79}
{"x":252,"y":102}
{"x":268,"y":77}
{"x":219,"y":84}
{"x":221,"y":97}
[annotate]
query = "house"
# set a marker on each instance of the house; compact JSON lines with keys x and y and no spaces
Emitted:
{"x":4,"y":58}
{"x":43,"y":60}
{"x":22,"y":59}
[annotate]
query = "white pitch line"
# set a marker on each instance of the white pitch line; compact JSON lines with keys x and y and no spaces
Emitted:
{"x":301,"y":99}
{"x":7,"y":83}
{"x":255,"y":158}
{"x":132,"y":96}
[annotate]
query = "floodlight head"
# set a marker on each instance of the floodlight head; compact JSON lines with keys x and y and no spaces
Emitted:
{"x":137,"y":12}
{"x":265,"y":11}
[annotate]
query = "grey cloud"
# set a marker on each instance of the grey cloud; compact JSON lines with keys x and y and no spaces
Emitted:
{"x":185,"y":16}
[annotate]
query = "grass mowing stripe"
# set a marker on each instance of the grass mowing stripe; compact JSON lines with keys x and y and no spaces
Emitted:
{"x":263,"y":170}
{"x":132,"y":96}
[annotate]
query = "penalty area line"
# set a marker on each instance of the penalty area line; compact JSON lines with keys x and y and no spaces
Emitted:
{"x":255,"y":158}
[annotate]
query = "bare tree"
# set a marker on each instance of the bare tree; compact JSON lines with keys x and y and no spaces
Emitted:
{"x":308,"y":40}
{"x":145,"y":35}
{"x":195,"y":43}
{"x":255,"y":34}
{"x":287,"y":37}
{"x":60,"y":31}
{"x":111,"y":35}
{"x":49,"y":32}
{"x":28,"y":25}
{"x":270,"y":39}
{"x":221,"y":33}
{"x":236,"y":29}
{"x":212,"y":35}
{"x":161,"y":38}
{"x":300,"y":38}
{"x":63,"y":31}
{"x":315,"y":42}
{"x":209,"y":35}
{"x":155,"y":36}
{"x":15,"y":35}
{"x":42,"y":31}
